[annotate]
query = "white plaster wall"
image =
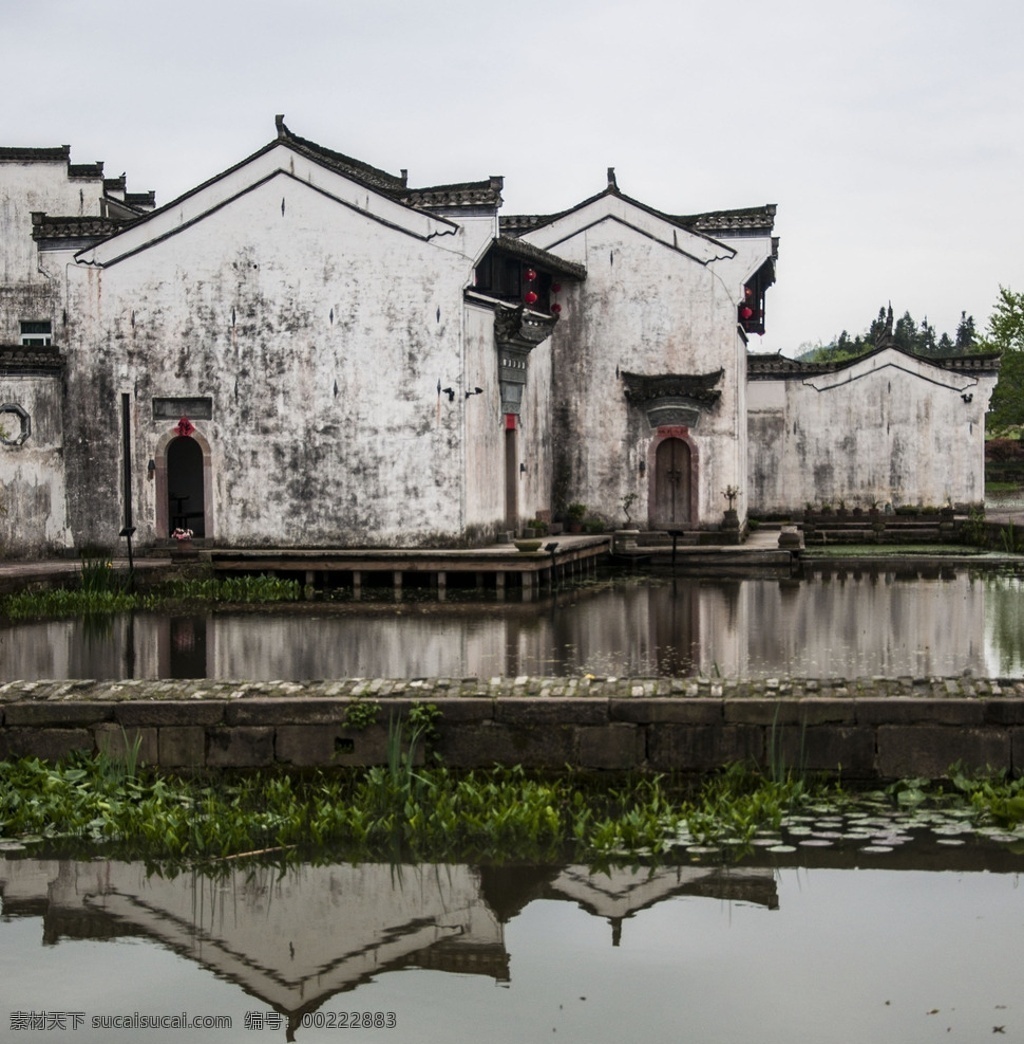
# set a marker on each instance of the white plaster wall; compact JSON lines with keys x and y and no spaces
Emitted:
{"x":33,"y":506}
{"x":320,"y":333}
{"x":484,"y":424}
{"x":657,"y":300}
{"x":889,"y":429}
{"x":25,"y":293}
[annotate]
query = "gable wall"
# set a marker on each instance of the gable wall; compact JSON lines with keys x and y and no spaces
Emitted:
{"x":644,"y":308}
{"x":888,"y":430}
{"x":319,"y":334}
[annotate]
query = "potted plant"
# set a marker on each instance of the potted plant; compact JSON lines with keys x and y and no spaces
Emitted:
{"x":627,"y":503}
{"x":576,"y":513}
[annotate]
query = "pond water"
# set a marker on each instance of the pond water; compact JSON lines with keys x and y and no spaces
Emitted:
{"x":895,"y":943}
{"x":845,"y":623}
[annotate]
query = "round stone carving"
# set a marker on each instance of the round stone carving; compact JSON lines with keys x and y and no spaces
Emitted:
{"x":15,"y":424}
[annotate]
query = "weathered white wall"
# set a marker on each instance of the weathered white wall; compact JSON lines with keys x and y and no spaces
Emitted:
{"x":657,"y":300}
{"x":483,"y":424}
{"x":890,"y":428}
{"x":319,"y":326}
{"x":33,"y":507}
{"x":26,"y":293}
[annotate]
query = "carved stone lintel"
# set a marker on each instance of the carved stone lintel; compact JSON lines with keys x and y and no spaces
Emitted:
{"x":673,"y":398}
{"x":516,"y":333}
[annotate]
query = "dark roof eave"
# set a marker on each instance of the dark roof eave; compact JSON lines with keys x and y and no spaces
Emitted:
{"x":779,"y":367}
{"x":528,"y":252}
{"x":755,"y":220}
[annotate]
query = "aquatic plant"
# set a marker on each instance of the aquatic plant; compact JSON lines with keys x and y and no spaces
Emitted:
{"x":23,"y":605}
{"x":361,"y":715}
{"x":239,"y":589}
{"x":1000,"y":798}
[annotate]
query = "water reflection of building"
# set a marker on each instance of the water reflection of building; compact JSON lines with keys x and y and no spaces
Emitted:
{"x":621,"y":892}
{"x":839,"y":624}
{"x":293,"y":939}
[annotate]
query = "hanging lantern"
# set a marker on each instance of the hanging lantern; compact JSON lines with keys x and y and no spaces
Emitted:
{"x":556,"y":309}
{"x":184,"y":427}
{"x":746,"y":313}
{"x":530,"y":297}
{"x":556,"y":288}
{"x":531,"y":275}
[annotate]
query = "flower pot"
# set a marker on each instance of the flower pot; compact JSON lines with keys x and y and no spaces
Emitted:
{"x":527,"y":546}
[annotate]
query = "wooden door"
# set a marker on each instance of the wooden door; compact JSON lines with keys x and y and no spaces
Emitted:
{"x":672,"y":485}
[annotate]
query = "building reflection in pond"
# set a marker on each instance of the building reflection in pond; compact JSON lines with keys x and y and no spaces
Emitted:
{"x":852,"y":623}
{"x":294,"y":938}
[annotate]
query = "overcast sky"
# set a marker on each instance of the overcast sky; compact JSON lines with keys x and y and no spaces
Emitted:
{"x":888,"y":133}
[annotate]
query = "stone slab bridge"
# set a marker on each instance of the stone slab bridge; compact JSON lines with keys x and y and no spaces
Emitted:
{"x":867,"y":729}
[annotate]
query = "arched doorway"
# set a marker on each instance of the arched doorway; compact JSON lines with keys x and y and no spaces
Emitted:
{"x":672,"y":492}
{"x":186,"y":498}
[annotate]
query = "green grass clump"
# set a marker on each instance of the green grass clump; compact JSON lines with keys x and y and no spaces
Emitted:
{"x":238,"y":589}
{"x":103,"y":590}
{"x":399,"y":809}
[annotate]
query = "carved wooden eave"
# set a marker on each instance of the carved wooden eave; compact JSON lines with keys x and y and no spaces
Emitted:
{"x":673,"y":398}
{"x":517,"y":331}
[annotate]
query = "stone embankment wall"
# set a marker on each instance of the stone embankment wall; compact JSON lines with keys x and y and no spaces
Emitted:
{"x":865,"y":730}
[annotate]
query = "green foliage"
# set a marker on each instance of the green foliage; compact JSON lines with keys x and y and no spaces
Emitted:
{"x":627,"y":503}
{"x":1000,"y":799}
{"x":24,"y":605}
{"x":238,"y":589}
{"x":974,"y":531}
{"x":907,"y":333}
{"x":1006,"y":334}
{"x":361,"y":715}
{"x":576,"y":511}
{"x":394,"y":809}
{"x":103,"y":590}
{"x":98,"y":576}
{"x":424,"y":718}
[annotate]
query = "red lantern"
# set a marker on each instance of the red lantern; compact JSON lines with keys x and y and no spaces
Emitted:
{"x":745,"y":312}
{"x":555,"y":309}
{"x":531,"y":275}
{"x":530,"y":297}
{"x":556,"y":287}
{"x":184,"y":428}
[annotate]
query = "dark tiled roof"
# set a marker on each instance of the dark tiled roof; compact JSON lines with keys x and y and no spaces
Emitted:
{"x":46,"y":227}
{"x":520,"y":224}
{"x":749,"y":220}
{"x":85,"y":170}
{"x":19,"y":359}
{"x":461,"y":194}
{"x":528,"y":252}
{"x":338,"y":161}
{"x":51,"y":155}
{"x":464,"y":194}
{"x":778,"y":367}
{"x":141,"y":199}
{"x":724,"y":222}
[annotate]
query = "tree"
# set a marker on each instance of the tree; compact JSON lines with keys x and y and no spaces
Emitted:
{"x":1006,"y":335}
{"x":906,"y":333}
{"x":966,"y":336}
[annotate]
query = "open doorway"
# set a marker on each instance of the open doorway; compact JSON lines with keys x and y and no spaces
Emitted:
{"x":186,"y":498}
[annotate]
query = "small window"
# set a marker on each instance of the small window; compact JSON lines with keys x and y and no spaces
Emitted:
{"x":36,"y":334}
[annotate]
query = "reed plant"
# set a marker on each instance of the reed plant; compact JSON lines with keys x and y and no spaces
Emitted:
{"x":402,"y":809}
